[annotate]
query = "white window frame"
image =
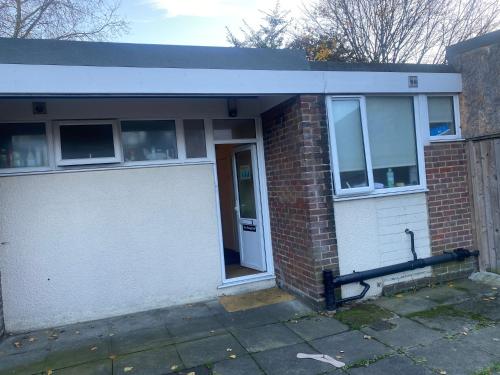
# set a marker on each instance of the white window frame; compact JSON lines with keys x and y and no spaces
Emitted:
{"x":456,"y":117}
{"x":87,"y":161}
{"x":370,"y":189}
{"x":48,"y":140}
{"x":178,"y":135}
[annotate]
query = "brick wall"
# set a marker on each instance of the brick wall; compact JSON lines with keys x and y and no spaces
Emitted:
{"x":449,"y":205}
{"x":300,"y":195}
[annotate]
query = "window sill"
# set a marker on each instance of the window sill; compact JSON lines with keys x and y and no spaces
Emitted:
{"x":443,"y":139}
{"x":94,"y":168}
{"x":418,"y":190}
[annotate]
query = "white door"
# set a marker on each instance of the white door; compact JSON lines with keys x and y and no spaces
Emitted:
{"x":248,"y":209}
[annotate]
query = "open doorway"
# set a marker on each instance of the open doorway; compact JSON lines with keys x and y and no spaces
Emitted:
{"x":239,"y":197}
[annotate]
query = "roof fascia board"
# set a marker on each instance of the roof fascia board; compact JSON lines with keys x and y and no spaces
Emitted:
{"x":18,"y":79}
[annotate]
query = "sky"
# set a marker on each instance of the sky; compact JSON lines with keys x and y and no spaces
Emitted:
{"x":193,"y":22}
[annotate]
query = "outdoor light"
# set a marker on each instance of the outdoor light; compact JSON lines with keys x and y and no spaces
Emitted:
{"x":232,"y":108}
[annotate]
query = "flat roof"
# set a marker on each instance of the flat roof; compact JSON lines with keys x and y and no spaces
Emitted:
{"x":474,"y":43}
{"x":105,"y":54}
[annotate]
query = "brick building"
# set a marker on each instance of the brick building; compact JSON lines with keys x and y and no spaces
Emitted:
{"x":135,"y":177}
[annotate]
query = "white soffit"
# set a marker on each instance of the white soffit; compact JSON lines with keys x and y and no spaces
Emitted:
{"x":20,"y":79}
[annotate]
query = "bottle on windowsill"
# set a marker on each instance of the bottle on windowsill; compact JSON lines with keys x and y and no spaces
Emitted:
{"x":390,"y":178}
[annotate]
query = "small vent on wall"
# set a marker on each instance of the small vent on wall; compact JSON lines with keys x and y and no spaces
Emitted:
{"x":412,"y":81}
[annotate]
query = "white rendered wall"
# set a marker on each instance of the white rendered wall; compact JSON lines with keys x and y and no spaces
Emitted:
{"x":87,"y":245}
{"x":371,"y":234}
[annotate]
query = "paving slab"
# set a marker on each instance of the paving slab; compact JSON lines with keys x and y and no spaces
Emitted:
{"x":239,"y":366}
{"x":24,"y":343}
{"x":407,"y":304}
{"x":150,"y":362}
{"x":104,"y":367}
{"x":209,"y":350}
{"x":129,"y":342}
{"x":25,"y":363}
{"x":474,"y":288}
{"x":190,"y":311}
{"x":194,"y":328}
{"x":137,"y":321}
{"x":488,"y":307}
{"x":66,"y":354}
{"x":446,"y":324}
{"x":279,"y":312}
{"x":392,"y":365}
{"x":444,"y":294}
{"x":316,"y":327}
{"x":402,"y":333}
{"x":262,"y":338}
{"x":453,"y":356}
{"x":350,"y":347}
{"x":284,"y":361}
{"x":487,"y":338}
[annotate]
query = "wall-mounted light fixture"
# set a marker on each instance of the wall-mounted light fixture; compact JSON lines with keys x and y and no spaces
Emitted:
{"x":39,"y":108}
{"x":232,"y":107}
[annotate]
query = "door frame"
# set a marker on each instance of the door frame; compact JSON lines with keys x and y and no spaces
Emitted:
{"x":264,"y":204}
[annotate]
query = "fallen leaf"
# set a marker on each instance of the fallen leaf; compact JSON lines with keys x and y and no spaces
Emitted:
{"x":77,"y":332}
{"x":366,"y":337}
{"x":192,"y":373}
{"x":128,"y":369}
{"x":492,"y":298}
{"x":339,"y":356}
{"x":17,"y":344}
{"x":229,"y":350}
{"x":495,"y":339}
{"x":341,"y":351}
{"x":111,"y":334}
{"x":494,"y":288}
{"x":112,"y":357}
{"x":442,"y":372}
{"x":398,"y":296}
{"x":49,"y":372}
{"x":174,"y":367}
{"x":93,"y":349}
{"x":32,"y":339}
{"x":232,"y":356}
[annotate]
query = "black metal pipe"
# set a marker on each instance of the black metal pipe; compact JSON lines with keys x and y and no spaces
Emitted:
{"x":412,"y":239}
{"x":332,"y":282}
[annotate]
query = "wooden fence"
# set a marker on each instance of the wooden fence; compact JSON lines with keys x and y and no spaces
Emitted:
{"x":484,"y":169}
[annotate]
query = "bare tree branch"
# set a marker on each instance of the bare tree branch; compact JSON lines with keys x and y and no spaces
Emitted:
{"x":61,"y":19}
{"x":402,"y":30}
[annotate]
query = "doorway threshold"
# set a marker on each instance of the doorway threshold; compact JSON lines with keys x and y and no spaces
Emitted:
{"x":226,"y":283}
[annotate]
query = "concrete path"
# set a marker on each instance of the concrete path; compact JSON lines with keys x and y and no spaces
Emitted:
{"x":451,"y":329}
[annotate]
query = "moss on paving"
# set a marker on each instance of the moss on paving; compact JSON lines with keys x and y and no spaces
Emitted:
{"x":362,"y":315}
{"x":447,"y":310}
{"x":491,"y":370}
{"x":367,"y":362}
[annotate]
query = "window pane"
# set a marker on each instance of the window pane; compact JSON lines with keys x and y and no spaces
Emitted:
{"x":233,"y":129}
{"x":149,"y":140}
{"x":350,"y":149}
{"x":391,"y":131}
{"x":87,"y":141}
{"x":441,"y":116}
{"x":246,"y":193}
{"x":23,"y":145}
{"x":194,"y":138}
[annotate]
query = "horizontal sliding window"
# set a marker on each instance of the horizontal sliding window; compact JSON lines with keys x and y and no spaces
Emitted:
{"x":228,"y":129}
{"x":82,"y":142}
{"x":441,"y":116}
{"x":23,"y":145}
{"x":194,"y":138}
{"x":149,"y":140}
{"x":374,"y":143}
